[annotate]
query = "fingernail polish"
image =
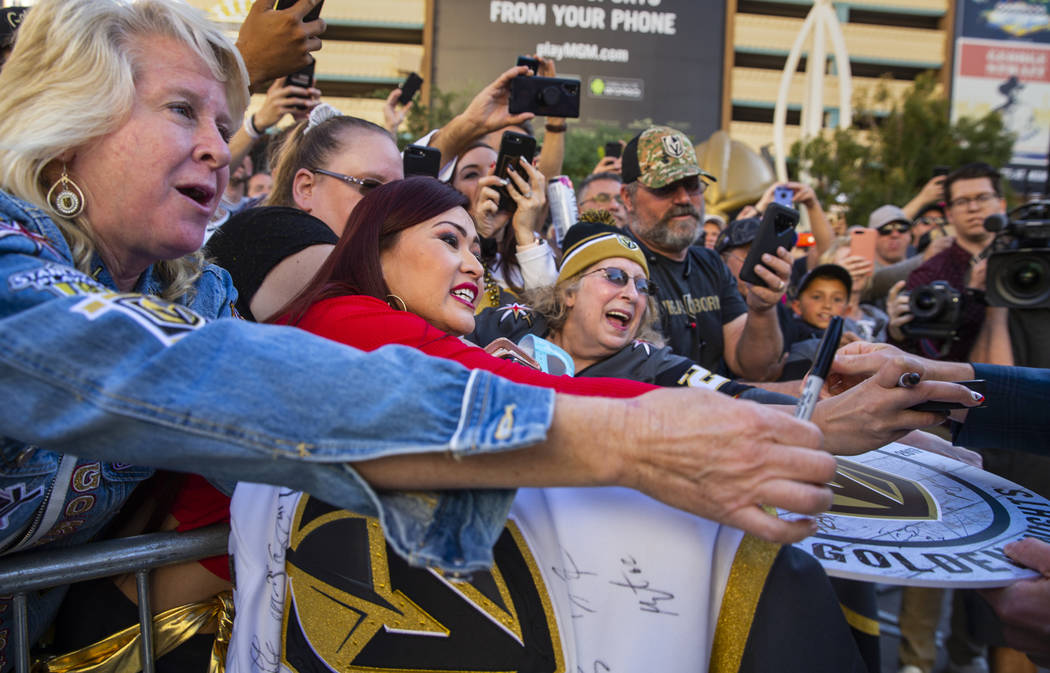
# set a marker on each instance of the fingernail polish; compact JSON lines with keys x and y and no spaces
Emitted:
{"x":978,"y":397}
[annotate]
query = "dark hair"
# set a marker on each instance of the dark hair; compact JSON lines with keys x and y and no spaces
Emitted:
{"x":373,"y":226}
{"x":939,"y":207}
{"x":978,"y":169}
{"x":594,"y":177}
{"x":470,"y":148}
{"x":311,"y":150}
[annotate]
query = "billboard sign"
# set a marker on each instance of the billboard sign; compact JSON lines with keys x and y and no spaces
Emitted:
{"x":658,"y":60}
{"x":1002,"y":64}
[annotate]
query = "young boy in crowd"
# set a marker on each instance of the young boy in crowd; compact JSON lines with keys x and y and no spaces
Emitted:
{"x":823,"y":292}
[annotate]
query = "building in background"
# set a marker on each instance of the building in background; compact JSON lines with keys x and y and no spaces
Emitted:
{"x":895,"y":38}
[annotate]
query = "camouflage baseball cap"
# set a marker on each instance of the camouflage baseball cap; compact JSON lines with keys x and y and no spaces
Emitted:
{"x":660,"y":155}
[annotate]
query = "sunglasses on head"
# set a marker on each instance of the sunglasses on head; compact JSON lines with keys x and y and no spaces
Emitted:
{"x":693,"y":185}
{"x":890,"y":227}
{"x":619,"y":278}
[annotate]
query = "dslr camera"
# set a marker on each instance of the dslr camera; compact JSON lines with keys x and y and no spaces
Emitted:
{"x":937,"y":308}
{"x":1018,"y":274}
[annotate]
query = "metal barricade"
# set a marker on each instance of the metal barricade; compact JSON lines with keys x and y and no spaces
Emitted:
{"x":31,"y":571}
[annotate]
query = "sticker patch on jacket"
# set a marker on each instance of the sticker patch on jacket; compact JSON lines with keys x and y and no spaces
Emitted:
{"x":167,"y":321}
{"x":13,"y":497}
{"x":38,"y":241}
{"x":57,"y":279}
{"x":355,"y":605}
{"x":515,"y":311}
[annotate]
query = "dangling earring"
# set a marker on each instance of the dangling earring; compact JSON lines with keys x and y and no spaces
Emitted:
{"x":69,"y":201}
{"x":402,"y":307}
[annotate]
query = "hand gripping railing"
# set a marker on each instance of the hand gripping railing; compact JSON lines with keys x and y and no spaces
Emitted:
{"x":30,"y":571}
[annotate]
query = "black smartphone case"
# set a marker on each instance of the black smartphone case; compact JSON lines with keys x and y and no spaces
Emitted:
{"x":548,"y":96}
{"x":420,"y":160}
{"x":512,"y":146}
{"x":777,"y":229}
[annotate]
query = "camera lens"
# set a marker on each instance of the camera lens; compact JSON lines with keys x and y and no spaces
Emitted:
{"x":550,"y":95}
{"x":1025,"y":281}
{"x":925,"y":303}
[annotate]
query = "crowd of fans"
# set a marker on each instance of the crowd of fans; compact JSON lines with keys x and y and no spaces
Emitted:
{"x":169,"y":271}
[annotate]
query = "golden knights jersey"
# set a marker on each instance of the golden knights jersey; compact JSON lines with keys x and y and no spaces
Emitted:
{"x":601,"y":579}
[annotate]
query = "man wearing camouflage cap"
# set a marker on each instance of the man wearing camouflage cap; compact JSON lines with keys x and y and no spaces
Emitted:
{"x":702,"y":313}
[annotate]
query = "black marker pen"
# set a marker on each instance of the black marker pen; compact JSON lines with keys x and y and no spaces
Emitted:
{"x":821,"y":366}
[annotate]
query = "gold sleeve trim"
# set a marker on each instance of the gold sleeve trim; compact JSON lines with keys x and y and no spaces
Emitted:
{"x":751,"y":564}
{"x":865,"y":625}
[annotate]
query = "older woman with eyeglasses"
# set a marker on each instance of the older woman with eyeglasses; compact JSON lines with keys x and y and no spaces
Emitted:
{"x":600,"y":312}
{"x":325,"y":165}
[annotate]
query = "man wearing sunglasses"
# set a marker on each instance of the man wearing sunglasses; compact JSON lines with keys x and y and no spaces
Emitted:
{"x":894,"y":228}
{"x":702,"y":314}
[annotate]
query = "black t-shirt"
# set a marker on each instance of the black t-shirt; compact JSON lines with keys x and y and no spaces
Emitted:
{"x":696,"y":298}
{"x":253,"y":242}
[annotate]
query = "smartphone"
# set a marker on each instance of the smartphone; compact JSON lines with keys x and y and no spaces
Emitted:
{"x":977,"y":385}
{"x":410,"y":87}
{"x":613,"y":150}
{"x":310,"y":16}
{"x":512,"y":147}
{"x":777,"y":229}
{"x":303,"y":77}
{"x":862,"y":242}
{"x":785,"y":196}
{"x":941,"y":170}
{"x":421,"y":160}
{"x":533,"y":63}
{"x":547,"y":96}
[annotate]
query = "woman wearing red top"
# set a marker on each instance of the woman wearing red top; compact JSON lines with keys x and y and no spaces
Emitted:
{"x":406,"y":272}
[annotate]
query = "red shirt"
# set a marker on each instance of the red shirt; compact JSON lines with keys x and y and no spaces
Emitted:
{"x":368,"y":323}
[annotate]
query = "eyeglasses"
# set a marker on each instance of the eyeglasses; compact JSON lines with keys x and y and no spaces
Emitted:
{"x":602,"y":199}
{"x":890,"y":227}
{"x":981,"y":200}
{"x":619,"y":278}
{"x":365,"y":185}
{"x":934,"y":221}
{"x":693,"y":185}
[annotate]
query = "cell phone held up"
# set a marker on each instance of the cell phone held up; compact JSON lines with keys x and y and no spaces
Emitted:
{"x":532,"y":63}
{"x":512,"y":148}
{"x":776,"y":230}
{"x":421,"y":160}
{"x":409,"y":88}
{"x":862,"y":242}
{"x":304,"y":77}
{"x":310,"y":16}
{"x":548,"y":96}
{"x":613,"y":150}
{"x":785,"y":196}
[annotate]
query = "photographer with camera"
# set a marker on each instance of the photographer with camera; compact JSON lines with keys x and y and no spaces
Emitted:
{"x":946,"y":293}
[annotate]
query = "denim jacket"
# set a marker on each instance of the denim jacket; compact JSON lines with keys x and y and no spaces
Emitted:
{"x":123,"y":380}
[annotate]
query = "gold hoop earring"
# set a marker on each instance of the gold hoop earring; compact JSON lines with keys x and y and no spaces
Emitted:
{"x":402,"y":307}
{"x":69,"y":201}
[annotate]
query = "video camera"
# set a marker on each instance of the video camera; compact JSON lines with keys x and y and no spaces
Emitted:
{"x":1018,"y":273}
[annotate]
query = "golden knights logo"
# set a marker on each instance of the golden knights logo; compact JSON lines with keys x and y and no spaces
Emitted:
{"x":167,"y":321}
{"x":861,"y":490}
{"x":354,"y":605}
{"x":57,"y":279}
{"x":673,"y":145}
